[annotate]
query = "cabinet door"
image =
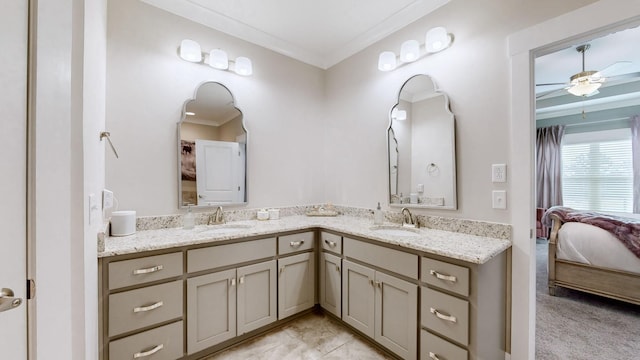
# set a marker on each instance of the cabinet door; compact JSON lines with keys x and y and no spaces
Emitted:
{"x":396,"y":315}
{"x":331,"y":283}
{"x":211,"y":309}
{"x":358,"y":296}
{"x":296,"y":284}
{"x":256,"y":296}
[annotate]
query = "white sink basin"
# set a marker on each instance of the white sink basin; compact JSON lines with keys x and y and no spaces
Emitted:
{"x":223,"y":229}
{"x":395,"y":231}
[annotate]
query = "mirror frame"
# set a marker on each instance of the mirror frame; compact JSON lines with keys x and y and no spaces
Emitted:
{"x":179,"y":150}
{"x":454,"y":205}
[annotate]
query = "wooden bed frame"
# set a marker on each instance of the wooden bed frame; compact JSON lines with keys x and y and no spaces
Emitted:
{"x":615,"y":284}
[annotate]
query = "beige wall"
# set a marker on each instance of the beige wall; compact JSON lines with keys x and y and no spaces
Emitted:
{"x":282,"y":105}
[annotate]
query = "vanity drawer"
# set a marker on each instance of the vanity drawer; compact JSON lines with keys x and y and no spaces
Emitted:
{"x":446,"y":315}
{"x":396,"y":261}
{"x":331,"y":242}
{"x":433,"y":347}
{"x":296,"y":242}
{"x":134,"y":309}
{"x":143,"y":270}
{"x":446,"y":276}
{"x":163,"y":343}
{"x":230,"y":254}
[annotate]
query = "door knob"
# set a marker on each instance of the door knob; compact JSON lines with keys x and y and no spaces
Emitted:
{"x":7,"y":300}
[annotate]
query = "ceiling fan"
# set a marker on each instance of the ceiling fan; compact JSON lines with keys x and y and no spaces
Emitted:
{"x":587,"y":82}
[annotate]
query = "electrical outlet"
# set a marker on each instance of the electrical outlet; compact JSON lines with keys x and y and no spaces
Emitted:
{"x":107,"y":199}
{"x":498,"y":173}
{"x":499,"y":199}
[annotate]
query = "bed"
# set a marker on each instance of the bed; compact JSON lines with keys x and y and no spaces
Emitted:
{"x":594,"y":253}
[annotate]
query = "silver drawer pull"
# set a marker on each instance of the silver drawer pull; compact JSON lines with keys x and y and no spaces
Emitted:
{"x":330,"y":243}
{"x":338,"y":268}
{"x":433,"y":356}
{"x":241,"y":281}
{"x":443,"y":277}
{"x":148,"y":353}
{"x":296,"y":243}
{"x":443,"y":316}
{"x":232,"y":281}
{"x":148,"y":270}
{"x":148,"y":308}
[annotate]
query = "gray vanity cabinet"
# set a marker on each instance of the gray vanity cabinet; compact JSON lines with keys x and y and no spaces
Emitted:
{"x":296,"y":284}
{"x":330,"y":279}
{"x":376,"y":299}
{"x":225,"y":304}
{"x":462,"y":309}
{"x":331,"y":283}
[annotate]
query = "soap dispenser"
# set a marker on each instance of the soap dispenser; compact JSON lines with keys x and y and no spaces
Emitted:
{"x":188,"y":220}
{"x":378,"y":216}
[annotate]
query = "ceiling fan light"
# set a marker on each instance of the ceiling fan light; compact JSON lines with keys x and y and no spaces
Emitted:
{"x":190,"y":51}
{"x":584,"y":88}
{"x":387,"y":61}
{"x":409,"y":51}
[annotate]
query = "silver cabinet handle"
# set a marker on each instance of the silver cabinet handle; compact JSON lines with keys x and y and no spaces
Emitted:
{"x":330,"y":243}
{"x":232,"y":281}
{"x":148,"y":270}
{"x":433,"y":356}
{"x":442,"y":316}
{"x":371,"y":282}
{"x":338,"y":268}
{"x":148,"y":353}
{"x":379,"y":284}
{"x":241,"y":281}
{"x":443,"y":276}
{"x":296,"y":243}
{"x":148,"y":308}
{"x":281,"y":269}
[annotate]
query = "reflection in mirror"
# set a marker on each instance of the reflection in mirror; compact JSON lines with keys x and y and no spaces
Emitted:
{"x":211,"y":149}
{"x":421,"y":144}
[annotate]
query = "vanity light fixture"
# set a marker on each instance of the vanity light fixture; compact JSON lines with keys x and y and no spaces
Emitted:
{"x":436,"y":40}
{"x":216,"y":58}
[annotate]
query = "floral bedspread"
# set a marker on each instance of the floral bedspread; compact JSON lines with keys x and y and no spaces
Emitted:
{"x":624,"y":229}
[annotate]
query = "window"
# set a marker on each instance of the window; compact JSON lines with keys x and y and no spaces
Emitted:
{"x":597,"y":171}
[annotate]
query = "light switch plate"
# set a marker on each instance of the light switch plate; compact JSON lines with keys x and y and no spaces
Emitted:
{"x":498,"y":173}
{"x":499,"y":199}
{"x":107,"y":199}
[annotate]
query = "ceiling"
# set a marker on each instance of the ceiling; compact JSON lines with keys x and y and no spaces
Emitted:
{"x":320,"y":33}
{"x":618,"y":99}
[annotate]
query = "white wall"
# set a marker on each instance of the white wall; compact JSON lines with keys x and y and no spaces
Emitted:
{"x":148,"y":84}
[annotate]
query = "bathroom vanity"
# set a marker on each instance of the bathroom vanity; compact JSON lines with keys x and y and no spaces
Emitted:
{"x":184,"y":294}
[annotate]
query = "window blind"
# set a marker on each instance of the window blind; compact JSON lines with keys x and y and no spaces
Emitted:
{"x":597,"y":171}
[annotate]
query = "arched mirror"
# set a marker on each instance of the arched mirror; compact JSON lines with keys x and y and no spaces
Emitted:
{"x":422,"y":150}
{"x":211,"y":149}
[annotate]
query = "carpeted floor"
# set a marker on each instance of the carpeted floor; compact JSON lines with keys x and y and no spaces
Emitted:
{"x":574,"y":326}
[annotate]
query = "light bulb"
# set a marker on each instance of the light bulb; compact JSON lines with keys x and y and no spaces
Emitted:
{"x":409,"y":51}
{"x":243,"y":66}
{"x":218,"y":59}
{"x":437,"y":39}
{"x":387,"y":61}
{"x":190,"y":51}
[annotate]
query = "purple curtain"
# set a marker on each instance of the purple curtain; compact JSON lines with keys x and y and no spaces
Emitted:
{"x":548,"y":166}
{"x":635,"y":148}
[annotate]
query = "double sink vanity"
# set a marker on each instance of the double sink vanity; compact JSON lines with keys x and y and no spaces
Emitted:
{"x":426,"y":294}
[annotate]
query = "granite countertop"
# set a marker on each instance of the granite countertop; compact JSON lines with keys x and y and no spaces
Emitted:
{"x":470,"y":248}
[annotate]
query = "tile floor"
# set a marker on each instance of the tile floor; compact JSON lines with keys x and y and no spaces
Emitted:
{"x":313,"y":336}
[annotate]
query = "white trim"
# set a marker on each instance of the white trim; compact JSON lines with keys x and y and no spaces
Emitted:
{"x":604,"y":16}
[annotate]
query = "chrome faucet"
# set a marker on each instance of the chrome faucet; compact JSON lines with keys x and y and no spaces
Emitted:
{"x":217,"y":217}
{"x":406,"y":214}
